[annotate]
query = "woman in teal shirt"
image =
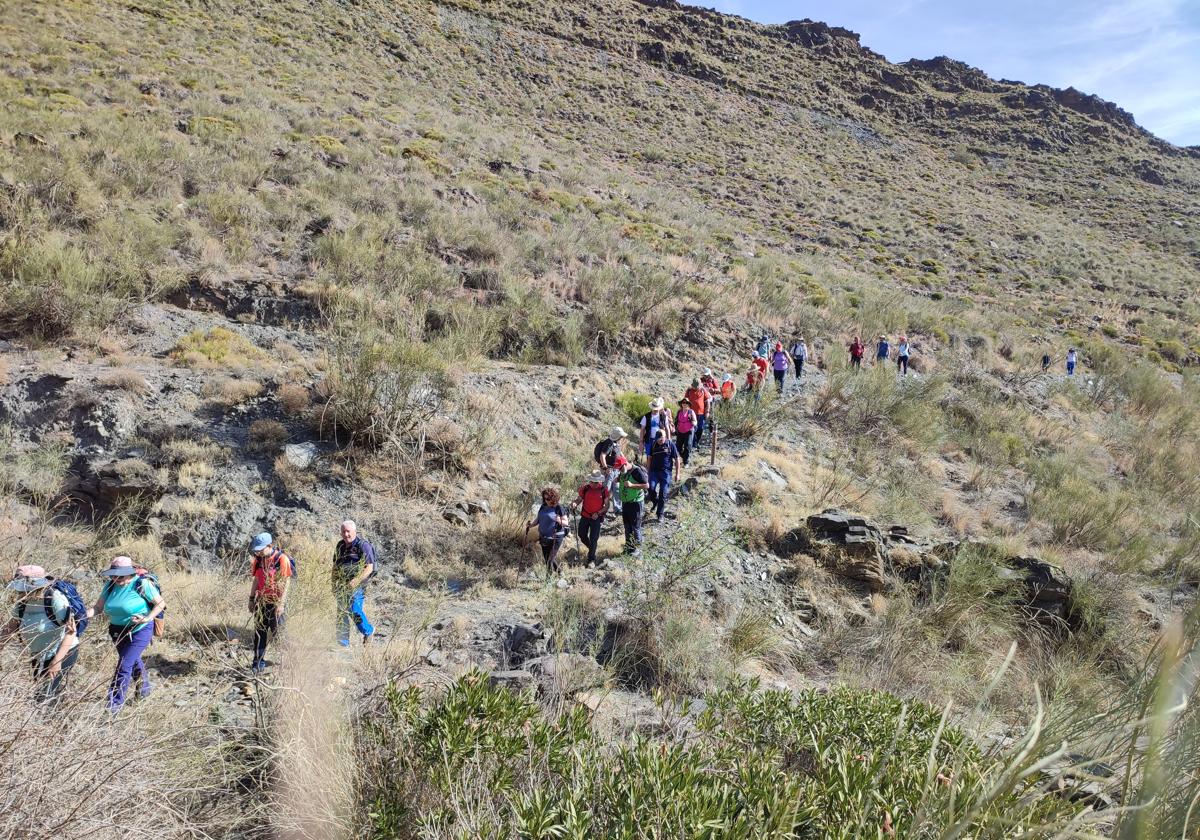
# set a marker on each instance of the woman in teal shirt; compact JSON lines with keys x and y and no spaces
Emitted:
{"x":131,"y":604}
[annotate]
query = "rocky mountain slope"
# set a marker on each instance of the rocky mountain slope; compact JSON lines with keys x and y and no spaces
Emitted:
{"x":272,"y":265}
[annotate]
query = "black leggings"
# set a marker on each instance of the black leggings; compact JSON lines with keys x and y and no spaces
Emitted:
{"x":266,"y":625}
{"x":550,"y":549}
{"x":902,"y":364}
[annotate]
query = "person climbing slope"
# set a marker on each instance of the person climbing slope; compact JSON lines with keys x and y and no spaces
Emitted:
{"x":654,"y":420}
{"x":753,"y":381}
{"x":857,"y":349}
{"x":271,"y":573}
{"x":697,"y":397}
{"x":131,"y":602}
{"x":764,"y":345}
{"x":353,"y":565}
{"x":799,"y":353}
{"x":685,"y":425}
{"x":710,"y":383}
{"x":760,"y":362}
{"x":632,"y":487}
{"x":592,"y":503}
{"x":883,"y":350}
{"x":902,"y":354}
{"x":1046,"y":362}
{"x":664,"y":462}
{"x":552,"y":523}
{"x":606,"y":453}
{"x":1072,"y":359}
{"x":780,"y":362}
{"x":728,"y":388}
{"x":42,"y":620}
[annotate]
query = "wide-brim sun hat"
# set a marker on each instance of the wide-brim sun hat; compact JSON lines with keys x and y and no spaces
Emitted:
{"x":657,"y":403}
{"x":120,"y":567}
{"x":729,"y":377}
{"x":262,"y":541}
{"x":595,"y":478}
{"x":617,"y":434}
{"x":708,"y":371}
{"x":29,"y":578}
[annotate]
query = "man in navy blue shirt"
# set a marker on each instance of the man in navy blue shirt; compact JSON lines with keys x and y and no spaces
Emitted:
{"x":353,"y":566}
{"x":664,"y":461}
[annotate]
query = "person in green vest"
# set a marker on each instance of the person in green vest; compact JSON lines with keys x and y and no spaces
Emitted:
{"x":631,"y":489}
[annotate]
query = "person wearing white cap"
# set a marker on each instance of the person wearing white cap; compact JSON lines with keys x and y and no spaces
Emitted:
{"x":271,"y":574}
{"x":592,"y":502}
{"x":606,"y":453}
{"x":658,"y":417}
{"x":43,"y":621}
{"x":131,"y":602}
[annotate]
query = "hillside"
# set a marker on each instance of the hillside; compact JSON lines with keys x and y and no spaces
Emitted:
{"x":271,"y":265}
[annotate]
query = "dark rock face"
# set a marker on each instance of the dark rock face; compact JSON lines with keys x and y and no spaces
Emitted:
{"x":1047,"y":587}
{"x":813,"y":34}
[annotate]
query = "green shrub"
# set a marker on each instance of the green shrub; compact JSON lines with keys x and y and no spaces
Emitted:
{"x":34,"y":473}
{"x":633,"y":406}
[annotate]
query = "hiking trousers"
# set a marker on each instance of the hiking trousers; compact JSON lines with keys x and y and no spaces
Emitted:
{"x":683,"y":442}
{"x":660,"y":488}
{"x":266,"y":625}
{"x":779,"y":375}
{"x":799,"y":367}
{"x":131,"y":643}
{"x":589,"y":534}
{"x":698,"y":432}
{"x":350,"y":606}
{"x":631,"y":517}
{"x":49,"y":689}
{"x":550,"y":550}
{"x":902,"y":364}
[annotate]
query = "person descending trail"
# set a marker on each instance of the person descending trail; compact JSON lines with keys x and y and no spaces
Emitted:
{"x":799,"y":353}
{"x":764,"y":346}
{"x":883,"y":350}
{"x":1045,"y":362}
{"x":271,"y":573}
{"x":606,"y":453}
{"x":728,"y":389}
{"x":652,"y":422}
{"x":857,"y":349}
{"x":552,"y":523}
{"x":592,"y":503}
{"x":353,"y":565}
{"x":697,"y":398}
{"x":780,"y":362}
{"x":1072,"y":359}
{"x":632,"y":487}
{"x":902,"y":354}
{"x":131,"y":602}
{"x":685,"y":426}
{"x":45,"y":623}
{"x":664,"y":462}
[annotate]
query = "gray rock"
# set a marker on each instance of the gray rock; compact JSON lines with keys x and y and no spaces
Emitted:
{"x":564,"y":673}
{"x":478,"y":507}
{"x":300,"y":455}
{"x":455,"y":516}
{"x":512,"y":680}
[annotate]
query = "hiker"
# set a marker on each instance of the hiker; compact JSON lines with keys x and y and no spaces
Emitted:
{"x":131,"y":602}
{"x":799,"y":353}
{"x":552,"y":524}
{"x":764,"y":345}
{"x":653,"y":421}
{"x":883,"y":350}
{"x":606,"y":453}
{"x":710,"y":384}
{"x":1045,"y":362}
{"x":271,"y":573}
{"x":685,"y":425}
{"x":753,"y":380}
{"x":728,"y":389}
{"x":353,"y":565}
{"x":664,"y":462}
{"x":592,"y":503}
{"x":760,"y":362}
{"x":902,"y":353}
{"x":857,"y":349}
{"x":1072,"y":358}
{"x":632,"y":487}
{"x":780,"y":362}
{"x":43,"y":621}
{"x":698,"y":398}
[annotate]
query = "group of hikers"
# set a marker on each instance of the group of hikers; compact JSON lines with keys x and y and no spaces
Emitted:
{"x":49,"y":616}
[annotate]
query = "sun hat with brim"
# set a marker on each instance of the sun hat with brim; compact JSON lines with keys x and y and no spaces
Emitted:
{"x":262,"y":541}
{"x":119,"y":571}
{"x":617,"y":434}
{"x":595,"y":478}
{"x":28,"y":578}
{"x":657,"y":403}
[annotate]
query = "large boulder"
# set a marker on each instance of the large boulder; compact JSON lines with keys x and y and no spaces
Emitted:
{"x":858,"y":547}
{"x":1047,"y":587}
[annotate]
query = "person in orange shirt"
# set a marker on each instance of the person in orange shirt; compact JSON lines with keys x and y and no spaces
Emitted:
{"x":272,"y":572}
{"x":728,"y":389}
{"x":698,"y":398}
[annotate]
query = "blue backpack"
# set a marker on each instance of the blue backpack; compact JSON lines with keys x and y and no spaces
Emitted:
{"x":74,"y":603}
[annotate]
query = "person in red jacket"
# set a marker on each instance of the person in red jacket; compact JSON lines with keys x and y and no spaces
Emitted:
{"x":857,"y":349}
{"x":698,"y":399}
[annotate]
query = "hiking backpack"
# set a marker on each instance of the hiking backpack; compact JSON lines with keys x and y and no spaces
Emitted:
{"x":139,"y":586}
{"x":74,"y":603}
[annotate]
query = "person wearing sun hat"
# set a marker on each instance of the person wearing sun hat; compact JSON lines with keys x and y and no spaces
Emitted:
{"x":43,"y":621}
{"x":592,"y":502}
{"x":658,"y":417}
{"x":131,"y":604}
{"x":271,"y":574}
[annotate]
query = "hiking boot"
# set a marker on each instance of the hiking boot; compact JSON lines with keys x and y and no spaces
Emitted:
{"x":258,"y":667}
{"x":367,"y":639}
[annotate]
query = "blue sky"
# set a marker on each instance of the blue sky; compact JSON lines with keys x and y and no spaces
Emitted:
{"x":1143,"y":55}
